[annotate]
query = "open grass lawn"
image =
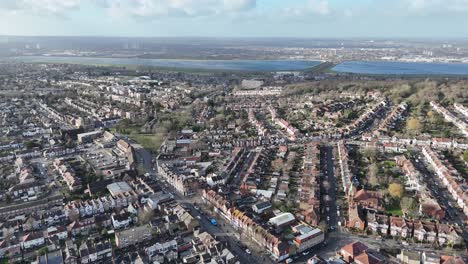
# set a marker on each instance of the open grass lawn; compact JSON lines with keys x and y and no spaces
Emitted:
{"x":389,"y":164}
{"x":148,"y":141}
{"x":395,"y":210}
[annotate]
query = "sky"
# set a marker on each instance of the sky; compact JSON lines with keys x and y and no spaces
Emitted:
{"x":237,"y":18}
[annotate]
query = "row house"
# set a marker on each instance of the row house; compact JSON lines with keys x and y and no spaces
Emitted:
{"x":450,"y":117}
{"x":266,"y":91}
{"x":416,"y":257}
{"x":449,"y":235}
{"x":56,"y":232}
{"x":425,"y":231}
{"x":461,"y":109}
{"x":184,"y":184}
{"x":391,"y":119}
{"x":346,"y":176}
{"x":309,"y":189}
{"x":459,"y":191}
{"x":68,"y":174}
{"x":278,"y":248}
{"x":442,"y":234}
{"x":442,"y":143}
{"x":421,"y":231}
{"x":26,"y":191}
{"x":10,"y":248}
{"x":100,"y":205}
{"x":51,"y":218}
{"x":413,"y":176}
{"x":82,"y":226}
{"x":120,"y":221}
{"x":189,"y":221}
{"x":261,"y":130}
{"x":240,"y":221}
{"x":364,"y":119}
{"x":166,"y":249}
{"x":292,"y":131}
{"x":400,"y":227}
{"x":91,"y":252}
{"x":10,"y":227}
{"x":393,"y":147}
{"x":378,"y":223}
{"x":32,"y":240}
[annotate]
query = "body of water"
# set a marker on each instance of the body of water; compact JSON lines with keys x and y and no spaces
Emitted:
{"x":227,"y":65}
{"x":402,"y":68}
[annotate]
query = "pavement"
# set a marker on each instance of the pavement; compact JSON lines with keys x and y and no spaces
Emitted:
{"x":336,"y":238}
{"x":222,"y":232}
{"x":328,"y":169}
{"x":440,"y":193}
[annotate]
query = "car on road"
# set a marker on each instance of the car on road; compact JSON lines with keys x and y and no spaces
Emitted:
{"x":213,"y":222}
{"x":305,"y":253}
{"x":198,"y":217}
{"x":248,"y":251}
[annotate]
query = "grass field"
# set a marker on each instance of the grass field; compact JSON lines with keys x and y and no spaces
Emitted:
{"x":148,"y":141}
{"x":395,"y":211}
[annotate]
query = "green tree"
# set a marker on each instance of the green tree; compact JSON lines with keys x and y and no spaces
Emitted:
{"x":407,"y":204}
{"x":413,"y":126}
{"x":396,"y":190}
{"x":372,"y":174}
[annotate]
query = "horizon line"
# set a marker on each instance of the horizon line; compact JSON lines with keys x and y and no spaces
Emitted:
{"x":370,"y":38}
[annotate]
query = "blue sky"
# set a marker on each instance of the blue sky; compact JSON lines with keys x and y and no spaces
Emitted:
{"x":237,"y":18}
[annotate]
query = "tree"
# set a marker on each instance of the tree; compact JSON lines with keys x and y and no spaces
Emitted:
{"x":8,"y":198}
{"x":145,"y":217}
{"x":42,"y":251}
{"x":396,"y":190}
{"x":407,"y":204}
{"x":372,"y":174}
{"x":413,"y":125}
{"x":431,"y":116}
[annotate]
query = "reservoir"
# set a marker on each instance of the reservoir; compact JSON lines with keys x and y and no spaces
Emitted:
{"x":226,"y":65}
{"x":402,"y":68}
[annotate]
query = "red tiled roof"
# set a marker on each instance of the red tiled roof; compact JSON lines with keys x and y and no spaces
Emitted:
{"x":355,"y":248}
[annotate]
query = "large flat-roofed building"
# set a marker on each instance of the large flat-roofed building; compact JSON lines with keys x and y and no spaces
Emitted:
{"x":132,"y":236}
{"x":89,"y":136}
{"x":251,"y":84}
{"x":282,"y":220}
{"x":307,"y":237}
{"x":117,"y":188}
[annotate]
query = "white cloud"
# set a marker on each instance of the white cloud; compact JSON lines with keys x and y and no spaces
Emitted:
{"x":193,"y":8}
{"x":436,"y":6}
{"x":321,"y":7}
{"x":137,"y":8}
{"x":311,"y":7}
{"x":239,"y":5}
{"x":40,"y":7}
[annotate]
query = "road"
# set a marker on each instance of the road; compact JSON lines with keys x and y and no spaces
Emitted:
{"x":440,"y":193}
{"x":237,"y":244}
{"x":329,"y":194}
{"x":223,"y":232}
